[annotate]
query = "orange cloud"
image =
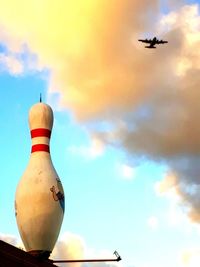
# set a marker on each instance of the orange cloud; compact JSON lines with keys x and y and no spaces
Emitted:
{"x":150,"y":98}
{"x":87,"y":45}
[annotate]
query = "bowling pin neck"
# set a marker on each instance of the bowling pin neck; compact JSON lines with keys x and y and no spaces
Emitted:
{"x":40,"y":140}
{"x":41,"y":123}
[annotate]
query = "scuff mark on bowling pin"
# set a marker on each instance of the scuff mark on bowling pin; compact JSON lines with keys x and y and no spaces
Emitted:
{"x":58,"y":196}
{"x":15,"y":209}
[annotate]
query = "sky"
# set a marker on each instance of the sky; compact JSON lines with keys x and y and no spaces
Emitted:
{"x":125,"y":140}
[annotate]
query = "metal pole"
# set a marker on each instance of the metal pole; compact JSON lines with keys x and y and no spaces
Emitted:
{"x":89,"y":260}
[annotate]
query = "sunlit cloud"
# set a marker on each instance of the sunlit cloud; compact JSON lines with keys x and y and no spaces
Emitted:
{"x":86,"y":57}
{"x":176,"y":213}
{"x":168,"y":183}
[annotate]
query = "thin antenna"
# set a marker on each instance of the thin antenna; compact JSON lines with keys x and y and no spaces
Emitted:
{"x":40,"y":97}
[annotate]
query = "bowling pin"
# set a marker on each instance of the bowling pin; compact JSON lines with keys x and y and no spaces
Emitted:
{"x":39,"y":200}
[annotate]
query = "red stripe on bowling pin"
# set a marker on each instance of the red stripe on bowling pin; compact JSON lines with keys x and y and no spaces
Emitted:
{"x":40,"y":147}
{"x":40,"y":132}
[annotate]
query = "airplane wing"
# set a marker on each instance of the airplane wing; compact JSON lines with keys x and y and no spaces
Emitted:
{"x":161,"y":42}
{"x":145,"y":41}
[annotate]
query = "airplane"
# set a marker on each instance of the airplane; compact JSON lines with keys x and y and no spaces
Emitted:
{"x":152,"y":42}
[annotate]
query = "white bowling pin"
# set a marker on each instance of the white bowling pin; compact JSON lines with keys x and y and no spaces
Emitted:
{"x":39,"y":202}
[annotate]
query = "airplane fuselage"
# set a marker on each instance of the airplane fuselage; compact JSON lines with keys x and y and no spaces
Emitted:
{"x":152,"y":45}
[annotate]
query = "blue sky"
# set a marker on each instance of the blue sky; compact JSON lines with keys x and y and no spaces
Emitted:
{"x":117,"y":150}
{"x":101,"y":202}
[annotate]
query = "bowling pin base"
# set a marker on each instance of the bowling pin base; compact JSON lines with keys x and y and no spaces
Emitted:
{"x":40,"y":254}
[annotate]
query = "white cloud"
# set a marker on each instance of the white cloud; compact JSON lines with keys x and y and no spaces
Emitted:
{"x":11,"y":64}
{"x":190,"y":257}
{"x":175,"y":215}
{"x":19,"y":62}
{"x":12,"y":240}
{"x":124,"y":171}
{"x":94,"y":150}
{"x":53,"y":99}
{"x":127,"y":172}
{"x":167,"y":188}
{"x":69,"y":246}
{"x":166,"y":185}
{"x":72,"y":246}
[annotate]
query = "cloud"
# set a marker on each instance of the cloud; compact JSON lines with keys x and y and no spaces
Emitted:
{"x":168,"y":183}
{"x":127,"y":172}
{"x":86,"y":45}
{"x":167,"y":187}
{"x":149,"y":98}
{"x":92,"y":151}
{"x":20,"y":62}
{"x":164,"y":126}
{"x":10,"y":64}
{"x":191,"y":257}
{"x":69,"y":246}
{"x":72,"y":246}
{"x":11,"y":239}
{"x":178,"y":209}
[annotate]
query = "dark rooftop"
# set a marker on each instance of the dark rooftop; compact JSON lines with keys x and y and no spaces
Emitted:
{"x":11,"y":256}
